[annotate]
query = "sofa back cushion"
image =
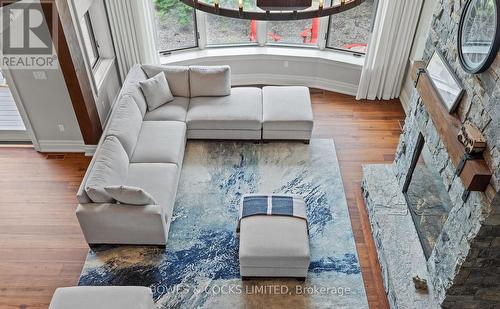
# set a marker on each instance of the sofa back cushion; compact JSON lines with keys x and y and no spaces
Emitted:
{"x":125,"y":123}
{"x":177,"y":77}
{"x":210,"y":81}
{"x":110,"y":168}
{"x":132,"y":88}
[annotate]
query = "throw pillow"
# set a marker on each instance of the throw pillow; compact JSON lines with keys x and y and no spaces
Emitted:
{"x":156,"y":91}
{"x":130,"y":195}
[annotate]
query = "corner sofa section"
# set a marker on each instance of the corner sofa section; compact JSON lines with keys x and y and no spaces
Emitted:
{"x":145,"y":149}
{"x":236,"y":116}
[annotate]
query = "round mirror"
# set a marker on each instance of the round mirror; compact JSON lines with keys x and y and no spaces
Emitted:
{"x":479,"y":35}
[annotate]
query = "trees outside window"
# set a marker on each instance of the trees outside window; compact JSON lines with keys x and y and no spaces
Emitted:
{"x":350,"y":30}
{"x":175,"y":24}
{"x":177,"y":27}
{"x":222,"y":30}
{"x":296,"y":32}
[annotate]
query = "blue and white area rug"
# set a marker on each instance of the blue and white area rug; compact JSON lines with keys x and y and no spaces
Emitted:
{"x":199,"y":267}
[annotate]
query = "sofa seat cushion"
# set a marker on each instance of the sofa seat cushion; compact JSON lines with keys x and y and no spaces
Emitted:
{"x":110,"y":168}
{"x":160,"y":142}
{"x":287,"y":109}
{"x":177,"y":77}
{"x":158,"y":179}
{"x":242,"y":110}
{"x":175,"y":110}
{"x":102,"y":297}
{"x":126,"y":123}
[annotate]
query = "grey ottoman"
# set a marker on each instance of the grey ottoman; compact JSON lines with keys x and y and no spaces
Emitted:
{"x":287,"y":113}
{"x":273,"y":246}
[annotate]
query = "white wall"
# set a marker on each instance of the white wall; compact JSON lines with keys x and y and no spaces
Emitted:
{"x":107,"y":93}
{"x":45,"y":104}
{"x":329,"y":70}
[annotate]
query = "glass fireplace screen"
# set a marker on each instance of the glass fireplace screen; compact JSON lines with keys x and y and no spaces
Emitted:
{"x":427,"y":197}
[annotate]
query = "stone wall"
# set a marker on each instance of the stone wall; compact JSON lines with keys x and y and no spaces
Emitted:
{"x":464,"y":267}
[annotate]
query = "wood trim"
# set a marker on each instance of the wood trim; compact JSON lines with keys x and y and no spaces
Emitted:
{"x":476,"y":174}
{"x":72,"y":63}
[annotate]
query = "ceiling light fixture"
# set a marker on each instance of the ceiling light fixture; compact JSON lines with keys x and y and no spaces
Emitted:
{"x":277,"y":10}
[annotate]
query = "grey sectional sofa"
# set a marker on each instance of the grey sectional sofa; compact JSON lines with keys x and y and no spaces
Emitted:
{"x":145,"y":149}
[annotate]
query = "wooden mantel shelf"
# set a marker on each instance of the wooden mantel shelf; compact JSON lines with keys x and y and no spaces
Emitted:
{"x":475,"y":175}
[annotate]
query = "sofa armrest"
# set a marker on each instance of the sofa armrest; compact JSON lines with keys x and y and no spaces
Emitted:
{"x":123,"y":224}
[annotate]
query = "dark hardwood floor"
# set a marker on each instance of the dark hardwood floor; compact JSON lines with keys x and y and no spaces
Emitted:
{"x":364,"y":133}
{"x":42,"y":247}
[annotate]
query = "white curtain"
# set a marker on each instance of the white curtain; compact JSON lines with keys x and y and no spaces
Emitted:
{"x":134,"y":33}
{"x":389,"y":49}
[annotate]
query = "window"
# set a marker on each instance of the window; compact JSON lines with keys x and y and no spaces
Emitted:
{"x":350,"y":30}
{"x":222,"y":30}
{"x":95,"y":37}
{"x":297,"y":32}
{"x":175,"y":25}
{"x":293,"y":32}
{"x":89,"y":40}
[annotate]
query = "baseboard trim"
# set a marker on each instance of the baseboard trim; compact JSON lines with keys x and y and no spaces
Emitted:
{"x":90,"y":150}
{"x":14,"y":136}
{"x":61,"y":146}
{"x":274,"y":79}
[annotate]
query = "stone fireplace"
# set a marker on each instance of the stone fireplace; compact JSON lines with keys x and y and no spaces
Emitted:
{"x":420,"y":222}
{"x":426,"y":196}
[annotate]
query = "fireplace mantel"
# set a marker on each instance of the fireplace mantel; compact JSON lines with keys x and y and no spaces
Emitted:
{"x":476,"y":174}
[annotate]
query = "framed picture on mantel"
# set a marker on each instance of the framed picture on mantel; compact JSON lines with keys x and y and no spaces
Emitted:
{"x":445,"y":81}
